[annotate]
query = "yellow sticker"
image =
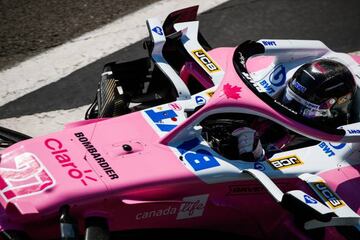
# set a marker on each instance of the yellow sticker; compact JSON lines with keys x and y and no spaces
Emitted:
{"x":327,"y":195}
{"x":205,"y":60}
{"x":210,"y":94}
{"x":285,"y":162}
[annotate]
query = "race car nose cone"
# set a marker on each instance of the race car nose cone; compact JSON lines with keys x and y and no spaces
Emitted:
{"x":127,"y":147}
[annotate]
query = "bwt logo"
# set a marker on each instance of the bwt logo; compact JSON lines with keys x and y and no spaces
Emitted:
{"x":353,"y":131}
{"x":205,"y":60}
{"x":269,"y":43}
{"x":278,"y":76}
{"x":267,"y":87}
{"x":23,"y":175}
{"x":327,"y":148}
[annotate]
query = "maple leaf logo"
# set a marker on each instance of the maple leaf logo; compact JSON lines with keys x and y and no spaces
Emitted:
{"x":232,"y":91}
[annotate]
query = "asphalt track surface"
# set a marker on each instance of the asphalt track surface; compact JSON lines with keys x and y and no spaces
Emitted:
{"x":30,"y":27}
{"x":336,"y":23}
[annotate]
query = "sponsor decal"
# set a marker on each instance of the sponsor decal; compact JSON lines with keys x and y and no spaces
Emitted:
{"x":175,"y":106}
{"x":353,"y":131}
{"x":96,"y":156}
{"x":210,"y":94}
{"x":339,"y":146}
{"x":309,"y":200}
{"x":23,"y":175}
{"x":344,"y":99}
{"x":327,"y":148}
{"x":276,"y":79}
{"x":266,"y":86}
{"x":199,"y":159}
{"x":205,"y":60}
{"x":278,"y":76}
{"x":298,"y":86}
{"x":62,"y":156}
{"x":259,"y":166}
{"x":269,"y":43}
{"x":160,"y":116}
{"x":330,"y":198}
{"x":200,"y":100}
{"x":235,"y":190}
{"x":158,"y":30}
{"x":232,"y":91}
{"x":241,"y":189}
{"x":156,"y":213}
{"x":190,"y":207}
{"x":285,"y":162}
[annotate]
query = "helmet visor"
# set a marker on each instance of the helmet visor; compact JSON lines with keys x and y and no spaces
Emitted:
{"x":304,"y":107}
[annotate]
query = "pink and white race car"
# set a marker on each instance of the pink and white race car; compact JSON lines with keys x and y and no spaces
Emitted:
{"x":174,"y":165}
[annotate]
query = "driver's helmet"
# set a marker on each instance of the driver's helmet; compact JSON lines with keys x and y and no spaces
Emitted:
{"x":321,"y":90}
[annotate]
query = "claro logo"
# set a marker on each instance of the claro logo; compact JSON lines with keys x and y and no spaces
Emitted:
{"x":60,"y":153}
{"x":205,"y":60}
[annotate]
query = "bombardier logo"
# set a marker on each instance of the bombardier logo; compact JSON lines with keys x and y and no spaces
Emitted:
{"x":205,"y":60}
{"x":285,"y":162}
{"x":330,"y":198}
{"x":110,"y":172}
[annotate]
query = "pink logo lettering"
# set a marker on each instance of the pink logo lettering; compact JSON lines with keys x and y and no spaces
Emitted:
{"x":23,"y":175}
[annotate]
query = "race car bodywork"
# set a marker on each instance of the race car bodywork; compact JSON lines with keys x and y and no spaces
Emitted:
{"x":156,"y":168}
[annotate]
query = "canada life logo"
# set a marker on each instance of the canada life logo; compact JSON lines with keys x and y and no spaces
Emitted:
{"x":22,"y":176}
{"x":192,"y":206}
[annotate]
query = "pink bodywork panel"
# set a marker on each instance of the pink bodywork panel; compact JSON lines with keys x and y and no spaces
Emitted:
{"x":345,"y":182}
{"x":356,"y":58}
{"x":87,"y":166}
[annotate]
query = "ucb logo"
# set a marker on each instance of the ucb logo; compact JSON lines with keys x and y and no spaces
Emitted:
{"x":205,"y":60}
{"x":330,"y":198}
{"x":285,"y":162}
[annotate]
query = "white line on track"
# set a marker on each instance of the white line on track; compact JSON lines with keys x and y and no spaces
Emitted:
{"x":42,"y":123}
{"x":60,"y":61}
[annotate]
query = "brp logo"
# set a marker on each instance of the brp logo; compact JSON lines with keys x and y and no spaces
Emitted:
{"x":278,"y":76}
